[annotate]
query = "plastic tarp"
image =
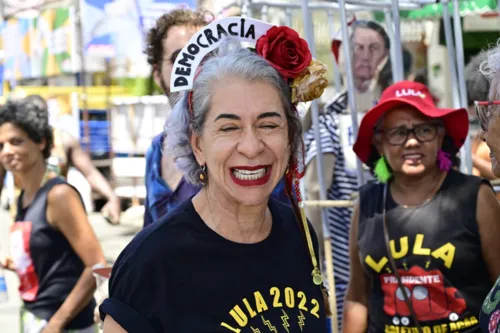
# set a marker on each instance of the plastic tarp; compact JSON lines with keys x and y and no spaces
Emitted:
{"x":467,"y":7}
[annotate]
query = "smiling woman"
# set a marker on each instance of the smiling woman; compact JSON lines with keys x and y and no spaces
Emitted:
{"x":423,"y":221}
{"x":242,"y":119}
{"x":52,"y":244}
{"x":488,"y":111}
{"x":489,"y":117}
{"x":232,"y":259}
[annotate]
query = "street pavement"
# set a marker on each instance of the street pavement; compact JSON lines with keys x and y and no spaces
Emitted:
{"x":113,"y":239}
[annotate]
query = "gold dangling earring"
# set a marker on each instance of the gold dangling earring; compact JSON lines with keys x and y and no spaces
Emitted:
{"x":203,"y":173}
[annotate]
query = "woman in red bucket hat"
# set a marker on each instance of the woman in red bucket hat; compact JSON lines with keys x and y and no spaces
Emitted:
{"x":422,"y":244}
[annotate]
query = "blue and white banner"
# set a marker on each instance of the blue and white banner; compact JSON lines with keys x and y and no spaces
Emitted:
{"x":117,"y":28}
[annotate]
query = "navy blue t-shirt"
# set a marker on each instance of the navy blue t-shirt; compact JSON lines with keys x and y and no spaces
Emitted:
{"x":179,"y":276}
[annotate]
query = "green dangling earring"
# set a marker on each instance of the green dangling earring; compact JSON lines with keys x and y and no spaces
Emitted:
{"x":382,"y":171}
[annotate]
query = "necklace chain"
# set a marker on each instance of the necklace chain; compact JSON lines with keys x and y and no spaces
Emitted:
{"x":432,"y":192}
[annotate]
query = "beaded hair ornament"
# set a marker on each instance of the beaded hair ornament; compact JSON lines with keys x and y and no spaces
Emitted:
{"x":284,"y":50}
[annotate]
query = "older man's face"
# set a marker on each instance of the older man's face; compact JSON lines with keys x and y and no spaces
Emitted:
{"x":492,"y":136}
{"x":369,"y":51}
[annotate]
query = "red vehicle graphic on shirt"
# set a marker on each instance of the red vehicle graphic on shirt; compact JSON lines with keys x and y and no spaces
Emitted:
{"x":430,"y":298}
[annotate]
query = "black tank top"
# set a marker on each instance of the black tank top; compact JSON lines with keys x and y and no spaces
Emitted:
{"x":47,"y":265}
{"x":437,"y":250}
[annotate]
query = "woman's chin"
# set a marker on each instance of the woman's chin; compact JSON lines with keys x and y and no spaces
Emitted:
{"x":13,"y":168}
{"x":251,"y":196}
{"x":413,"y":170}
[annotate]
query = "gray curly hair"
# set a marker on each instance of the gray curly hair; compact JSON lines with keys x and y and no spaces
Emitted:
{"x":491,"y":67}
{"x":476,"y":82}
{"x":229,"y":60}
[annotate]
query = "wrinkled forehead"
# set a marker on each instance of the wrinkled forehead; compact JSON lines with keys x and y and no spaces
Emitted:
{"x":367,"y":36}
{"x":178,"y":36}
{"x":403,"y":115}
{"x":247,"y":100}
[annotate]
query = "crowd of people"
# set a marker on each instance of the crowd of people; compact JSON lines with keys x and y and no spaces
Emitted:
{"x":227,"y":245}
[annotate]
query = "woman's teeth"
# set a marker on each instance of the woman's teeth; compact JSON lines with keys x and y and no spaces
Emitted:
{"x":249,"y":175}
{"x":413,"y":156}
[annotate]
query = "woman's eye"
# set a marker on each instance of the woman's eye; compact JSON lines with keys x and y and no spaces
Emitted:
{"x":229,"y":129}
{"x":269,"y":126}
{"x":398,"y":131}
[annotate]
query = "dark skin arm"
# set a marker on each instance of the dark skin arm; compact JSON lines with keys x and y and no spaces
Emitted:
{"x":488,"y":220}
{"x":483,"y":166}
{"x":66,"y":213}
{"x":356,"y":302}
{"x":81,"y":160}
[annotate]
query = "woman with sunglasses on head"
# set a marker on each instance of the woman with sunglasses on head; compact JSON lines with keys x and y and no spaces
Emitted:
{"x":423,"y":239}
{"x":488,"y":113}
{"x":52,"y":243}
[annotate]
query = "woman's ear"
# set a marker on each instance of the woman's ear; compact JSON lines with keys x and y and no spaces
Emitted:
{"x":196,"y":144}
{"x":42,"y":145}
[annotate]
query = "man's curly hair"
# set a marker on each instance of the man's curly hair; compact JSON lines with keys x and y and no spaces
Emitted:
{"x":32,"y":119}
{"x":175,"y":18}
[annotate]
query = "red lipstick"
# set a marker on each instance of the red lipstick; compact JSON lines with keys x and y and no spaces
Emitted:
{"x":251,"y":182}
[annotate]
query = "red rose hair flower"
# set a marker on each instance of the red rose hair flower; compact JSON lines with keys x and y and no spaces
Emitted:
{"x":283,"y":48}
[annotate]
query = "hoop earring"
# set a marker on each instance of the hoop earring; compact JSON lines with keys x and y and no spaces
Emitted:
{"x":382,"y":171}
{"x":203,"y":173}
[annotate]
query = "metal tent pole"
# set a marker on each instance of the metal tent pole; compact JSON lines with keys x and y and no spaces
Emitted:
{"x":288,"y":13}
{"x":450,"y":45}
{"x":315,"y":110}
{"x":461,"y":75}
{"x":309,"y":34}
{"x":333,"y":5}
{"x":350,"y":82}
{"x":245,"y":8}
{"x":263,"y":13}
{"x":392,"y":49}
{"x":376,"y":4}
{"x":398,"y":50}
{"x":336,"y":73}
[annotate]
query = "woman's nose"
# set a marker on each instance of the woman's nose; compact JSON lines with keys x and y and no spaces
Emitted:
{"x":6,"y":149}
{"x":411,"y":141}
{"x":250,"y":144}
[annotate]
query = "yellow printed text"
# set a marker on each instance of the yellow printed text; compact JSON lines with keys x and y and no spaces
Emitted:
{"x":275,"y":298}
{"x":446,"y":252}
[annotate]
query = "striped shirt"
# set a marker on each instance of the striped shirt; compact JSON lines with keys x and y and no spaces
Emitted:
{"x":344,"y":184}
